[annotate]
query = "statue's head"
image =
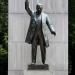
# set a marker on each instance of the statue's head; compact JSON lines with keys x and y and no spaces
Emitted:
{"x":39,"y":8}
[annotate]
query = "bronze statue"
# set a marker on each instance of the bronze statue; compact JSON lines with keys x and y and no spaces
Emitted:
{"x":37,"y":34}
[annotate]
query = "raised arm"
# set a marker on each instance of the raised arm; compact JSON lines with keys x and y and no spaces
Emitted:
{"x":50,"y":26}
{"x":27,"y":7}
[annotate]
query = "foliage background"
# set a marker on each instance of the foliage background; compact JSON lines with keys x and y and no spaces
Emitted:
{"x":3,"y":37}
{"x":71,"y":34}
{"x":72,"y":25}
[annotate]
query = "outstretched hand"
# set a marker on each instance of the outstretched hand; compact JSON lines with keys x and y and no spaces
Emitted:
{"x":26,"y":1}
{"x":53,"y":33}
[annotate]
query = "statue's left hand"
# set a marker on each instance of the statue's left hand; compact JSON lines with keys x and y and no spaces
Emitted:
{"x":53,"y":33}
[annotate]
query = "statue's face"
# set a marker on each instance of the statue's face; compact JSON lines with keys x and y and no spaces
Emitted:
{"x":39,"y":8}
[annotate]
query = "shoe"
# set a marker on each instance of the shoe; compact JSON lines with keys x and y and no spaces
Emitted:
{"x":43,"y":63}
{"x":33,"y":63}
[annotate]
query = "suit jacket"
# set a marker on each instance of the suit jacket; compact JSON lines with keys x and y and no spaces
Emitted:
{"x":45,"y":25}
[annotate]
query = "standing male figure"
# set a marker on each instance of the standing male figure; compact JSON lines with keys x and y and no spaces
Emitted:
{"x":37,"y":31}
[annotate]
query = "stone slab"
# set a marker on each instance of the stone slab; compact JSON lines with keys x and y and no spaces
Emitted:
{"x":49,"y":6}
{"x":19,"y":24}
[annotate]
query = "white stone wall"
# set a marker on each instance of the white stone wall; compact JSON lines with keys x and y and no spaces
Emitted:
{"x":19,"y":52}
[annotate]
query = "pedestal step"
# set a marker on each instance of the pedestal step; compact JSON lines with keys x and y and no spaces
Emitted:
{"x":38,"y":67}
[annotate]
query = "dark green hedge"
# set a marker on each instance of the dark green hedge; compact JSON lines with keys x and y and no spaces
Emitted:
{"x":3,"y":37}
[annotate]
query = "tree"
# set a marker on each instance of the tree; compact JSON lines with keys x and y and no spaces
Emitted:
{"x":3,"y":37}
{"x":71,"y":32}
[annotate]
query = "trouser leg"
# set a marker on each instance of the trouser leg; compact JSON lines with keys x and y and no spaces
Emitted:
{"x":34,"y":50}
{"x":43,"y":54}
{"x":43,"y":50}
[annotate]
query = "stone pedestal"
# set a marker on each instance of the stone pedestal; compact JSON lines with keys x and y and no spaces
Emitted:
{"x":38,"y":72}
{"x":38,"y":67}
